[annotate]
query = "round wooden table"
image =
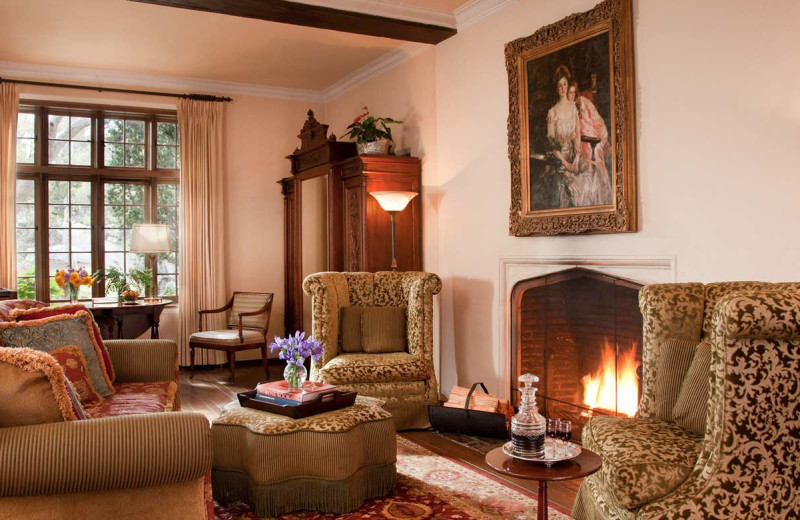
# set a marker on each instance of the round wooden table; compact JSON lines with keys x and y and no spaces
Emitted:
{"x":584,"y":464}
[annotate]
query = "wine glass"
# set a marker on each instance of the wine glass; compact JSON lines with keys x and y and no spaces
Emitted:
{"x":552,"y":432}
{"x":565,"y":433}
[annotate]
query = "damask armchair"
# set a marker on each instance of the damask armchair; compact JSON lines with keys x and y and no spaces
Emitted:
{"x":746,"y":464}
{"x":404,"y":380}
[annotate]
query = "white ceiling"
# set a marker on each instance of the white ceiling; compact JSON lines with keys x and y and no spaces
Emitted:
{"x":130,"y":37}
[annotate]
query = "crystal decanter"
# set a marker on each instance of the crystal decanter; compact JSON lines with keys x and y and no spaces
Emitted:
{"x":528,"y":426}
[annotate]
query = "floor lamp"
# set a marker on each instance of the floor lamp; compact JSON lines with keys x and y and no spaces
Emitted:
{"x":393,"y":202}
{"x":150,"y":239}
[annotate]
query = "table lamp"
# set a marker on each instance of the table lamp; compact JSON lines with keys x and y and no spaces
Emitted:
{"x":150,"y":239}
{"x":393,"y":202}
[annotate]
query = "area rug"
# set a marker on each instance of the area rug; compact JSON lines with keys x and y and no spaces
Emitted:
{"x":429,"y":487}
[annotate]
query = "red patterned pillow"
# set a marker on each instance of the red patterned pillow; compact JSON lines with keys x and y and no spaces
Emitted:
{"x":27,"y":314}
{"x":8,"y":306}
{"x":75,"y":368}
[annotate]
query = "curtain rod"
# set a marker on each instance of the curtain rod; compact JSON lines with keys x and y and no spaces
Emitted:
{"x":198,"y":97}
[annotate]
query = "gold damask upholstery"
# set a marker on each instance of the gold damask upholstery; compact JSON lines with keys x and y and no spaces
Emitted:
{"x":748,"y":460}
{"x":404,"y":380}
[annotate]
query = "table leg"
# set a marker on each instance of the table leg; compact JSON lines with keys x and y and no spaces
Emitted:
{"x":154,"y":330}
{"x":542,"y":513}
{"x":119,"y":328}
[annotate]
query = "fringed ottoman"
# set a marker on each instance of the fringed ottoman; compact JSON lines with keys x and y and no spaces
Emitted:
{"x":330,"y":462}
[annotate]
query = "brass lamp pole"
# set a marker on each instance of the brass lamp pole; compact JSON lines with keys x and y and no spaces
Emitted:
{"x":393,"y":202}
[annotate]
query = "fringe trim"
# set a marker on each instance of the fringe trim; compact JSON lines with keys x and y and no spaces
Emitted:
{"x":171,"y":392}
{"x":72,"y":309}
{"x":31,"y":360}
{"x":88,"y":319}
{"x":304,"y":493}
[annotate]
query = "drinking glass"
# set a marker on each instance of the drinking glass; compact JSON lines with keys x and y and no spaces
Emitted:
{"x":552,"y":432}
{"x":565,"y":433}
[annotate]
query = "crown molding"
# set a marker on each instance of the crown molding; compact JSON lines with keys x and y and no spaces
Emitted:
{"x":464,"y":16}
{"x":390,"y":9}
{"x":108,"y":78}
{"x":374,"y":68}
{"x":476,"y":10}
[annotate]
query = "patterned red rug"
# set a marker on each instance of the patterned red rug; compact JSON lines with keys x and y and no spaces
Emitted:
{"x":429,"y":487}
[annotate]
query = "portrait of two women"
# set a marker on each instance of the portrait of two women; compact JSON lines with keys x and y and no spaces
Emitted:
{"x":569,"y":111}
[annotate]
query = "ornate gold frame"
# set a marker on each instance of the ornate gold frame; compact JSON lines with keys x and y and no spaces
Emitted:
{"x":614,"y":17}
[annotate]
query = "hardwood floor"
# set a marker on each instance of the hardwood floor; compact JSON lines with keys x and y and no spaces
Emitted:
{"x":210,"y":390}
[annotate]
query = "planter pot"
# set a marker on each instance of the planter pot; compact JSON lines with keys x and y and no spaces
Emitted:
{"x":379,"y":147}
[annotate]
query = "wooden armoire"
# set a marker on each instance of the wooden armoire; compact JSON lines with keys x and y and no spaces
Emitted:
{"x":357,"y":231}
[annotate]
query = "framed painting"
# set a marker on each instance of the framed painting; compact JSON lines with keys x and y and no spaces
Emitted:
{"x":571,"y":126}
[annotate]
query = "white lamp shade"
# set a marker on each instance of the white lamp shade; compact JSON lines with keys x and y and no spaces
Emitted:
{"x":393,"y":200}
{"x":150,"y":238}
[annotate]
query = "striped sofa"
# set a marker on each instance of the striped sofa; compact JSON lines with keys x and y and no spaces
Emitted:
{"x":745,"y":460}
{"x":124,"y":462}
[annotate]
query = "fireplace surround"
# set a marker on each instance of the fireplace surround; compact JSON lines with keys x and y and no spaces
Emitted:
{"x":580,"y":331}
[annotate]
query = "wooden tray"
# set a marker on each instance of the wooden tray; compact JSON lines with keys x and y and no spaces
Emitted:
{"x":325,"y":402}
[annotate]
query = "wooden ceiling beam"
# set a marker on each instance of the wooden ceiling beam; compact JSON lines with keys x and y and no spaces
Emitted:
{"x":284,"y":11}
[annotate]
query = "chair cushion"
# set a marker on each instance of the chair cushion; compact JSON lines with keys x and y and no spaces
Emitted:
{"x":643,"y":459}
{"x":33,"y":390}
{"x":228,"y":337}
{"x":249,"y":302}
{"x":383,"y":329}
{"x":691,"y":406}
{"x":23,"y":314}
{"x":47,"y":334}
{"x":135,"y":398}
{"x":673,"y":363}
{"x":73,"y":363}
{"x":350,"y":328}
{"x":374,"y":368}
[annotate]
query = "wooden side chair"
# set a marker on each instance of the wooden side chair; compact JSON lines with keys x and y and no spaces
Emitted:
{"x":247,"y":329}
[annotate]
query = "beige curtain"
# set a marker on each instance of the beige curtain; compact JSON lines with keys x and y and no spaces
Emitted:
{"x":202,"y":260}
{"x":9,"y":107}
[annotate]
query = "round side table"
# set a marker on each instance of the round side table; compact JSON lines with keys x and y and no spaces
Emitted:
{"x":584,"y":464}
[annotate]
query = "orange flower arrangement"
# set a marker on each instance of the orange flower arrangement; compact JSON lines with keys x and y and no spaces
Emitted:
{"x":72,"y":279}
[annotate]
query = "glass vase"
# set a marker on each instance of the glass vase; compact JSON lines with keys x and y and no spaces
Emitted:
{"x":295,"y":375}
{"x":72,"y":292}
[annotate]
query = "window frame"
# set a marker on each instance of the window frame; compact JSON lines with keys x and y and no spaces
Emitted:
{"x":97,"y":174}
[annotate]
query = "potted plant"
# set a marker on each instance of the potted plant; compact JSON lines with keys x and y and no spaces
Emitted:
{"x":128,"y":287}
{"x":372,"y":135}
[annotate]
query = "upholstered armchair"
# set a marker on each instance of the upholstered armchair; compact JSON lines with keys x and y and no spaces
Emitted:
{"x":746,"y":464}
{"x":404,"y":380}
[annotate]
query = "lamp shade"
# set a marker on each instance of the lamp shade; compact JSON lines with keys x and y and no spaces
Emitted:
{"x":393,"y":200}
{"x":150,"y":238}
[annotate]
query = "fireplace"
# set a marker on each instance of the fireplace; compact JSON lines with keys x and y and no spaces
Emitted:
{"x":580,"y":331}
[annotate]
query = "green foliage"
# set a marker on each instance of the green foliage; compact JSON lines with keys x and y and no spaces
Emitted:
{"x":366,"y":128}
{"x":142,"y":279}
{"x":115,"y":280}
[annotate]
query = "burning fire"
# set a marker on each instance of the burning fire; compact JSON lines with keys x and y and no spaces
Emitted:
{"x":610,"y":389}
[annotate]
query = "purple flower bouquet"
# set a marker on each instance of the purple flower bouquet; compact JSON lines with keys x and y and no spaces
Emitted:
{"x":294,"y":350}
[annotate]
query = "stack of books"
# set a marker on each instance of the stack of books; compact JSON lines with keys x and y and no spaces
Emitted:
{"x":279,"y":393}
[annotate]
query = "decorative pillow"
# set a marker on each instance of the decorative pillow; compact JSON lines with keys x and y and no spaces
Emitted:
{"x":33,"y":390}
{"x":70,"y":308}
{"x":48,"y":334}
{"x":691,"y":408}
{"x":75,"y":368}
{"x":350,"y":329}
{"x":8,"y":306}
{"x":383,"y":329}
{"x":676,"y":356}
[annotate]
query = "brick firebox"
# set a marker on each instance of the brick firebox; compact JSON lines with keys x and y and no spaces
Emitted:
{"x":560,"y":323}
